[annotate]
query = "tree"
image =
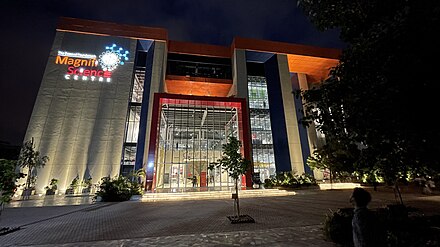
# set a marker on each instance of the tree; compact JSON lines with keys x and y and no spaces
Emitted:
{"x":233,"y":162}
{"x":31,"y":160}
{"x":8,"y":180}
{"x":380,"y":98}
{"x":338,"y":158}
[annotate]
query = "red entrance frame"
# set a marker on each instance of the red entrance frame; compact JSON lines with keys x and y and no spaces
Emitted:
{"x":162,"y":98}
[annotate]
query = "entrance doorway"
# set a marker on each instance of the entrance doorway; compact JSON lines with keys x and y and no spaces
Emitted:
{"x":190,"y":135}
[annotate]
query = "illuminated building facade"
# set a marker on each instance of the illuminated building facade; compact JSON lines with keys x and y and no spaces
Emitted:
{"x":116,"y":98}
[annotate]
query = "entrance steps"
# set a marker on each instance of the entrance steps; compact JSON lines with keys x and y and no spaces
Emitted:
{"x":205,"y":195}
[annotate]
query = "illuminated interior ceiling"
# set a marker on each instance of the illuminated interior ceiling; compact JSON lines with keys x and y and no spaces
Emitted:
{"x":198,"y":86}
{"x":188,"y":120}
{"x":316,"y":68}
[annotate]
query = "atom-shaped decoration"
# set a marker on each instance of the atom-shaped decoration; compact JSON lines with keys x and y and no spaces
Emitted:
{"x":112,"y":57}
{"x":109,"y":60}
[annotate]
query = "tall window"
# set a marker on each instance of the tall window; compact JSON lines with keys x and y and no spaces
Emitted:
{"x":133,"y":117}
{"x":261,"y":131}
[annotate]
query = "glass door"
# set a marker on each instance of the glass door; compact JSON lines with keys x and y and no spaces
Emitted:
{"x":191,"y":136}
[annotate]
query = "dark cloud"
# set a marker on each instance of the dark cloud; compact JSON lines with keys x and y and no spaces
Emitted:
{"x":28,"y":29}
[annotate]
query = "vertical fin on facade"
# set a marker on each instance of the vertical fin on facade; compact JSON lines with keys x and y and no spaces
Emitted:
{"x":144,"y":107}
{"x":303,"y":135}
{"x":278,"y":120}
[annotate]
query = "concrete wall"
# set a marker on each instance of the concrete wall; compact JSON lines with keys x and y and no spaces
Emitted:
{"x":314,"y":141}
{"x":239,"y":87}
{"x":80,"y":124}
{"x":294,"y":143}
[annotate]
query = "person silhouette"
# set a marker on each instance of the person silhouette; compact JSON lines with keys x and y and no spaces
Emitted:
{"x":194,"y":181}
{"x":363,"y":221}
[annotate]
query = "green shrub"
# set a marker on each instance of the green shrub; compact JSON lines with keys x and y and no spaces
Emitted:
{"x":288,"y":180}
{"x":268,"y":183}
{"x":117,"y":189}
{"x":337,"y":226}
{"x":394,"y":227}
{"x":8,"y":180}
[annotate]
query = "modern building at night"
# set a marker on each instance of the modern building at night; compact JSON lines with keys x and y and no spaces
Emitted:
{"x":116,"y":98}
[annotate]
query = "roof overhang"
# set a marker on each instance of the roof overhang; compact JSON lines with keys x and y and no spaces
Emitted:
{"x":316,"y":62}
{"x":75,"y":25}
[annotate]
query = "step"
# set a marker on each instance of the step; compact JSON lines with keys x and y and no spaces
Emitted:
{"x":204,"y":195}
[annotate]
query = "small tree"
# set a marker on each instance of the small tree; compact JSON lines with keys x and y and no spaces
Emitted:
{"x":233,"y":162}
{"x":8,"y":179}
{"x":30,"y":158}
{"x":338,"y":157}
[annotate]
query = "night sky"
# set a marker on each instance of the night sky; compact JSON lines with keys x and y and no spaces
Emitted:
{"x":28,"y":28}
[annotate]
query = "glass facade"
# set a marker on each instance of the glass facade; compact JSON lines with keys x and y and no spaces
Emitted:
{"x":261,"y":131}
{"x":199,"y":66}
{"x":191,"y":134}
{"x":133,"y":120}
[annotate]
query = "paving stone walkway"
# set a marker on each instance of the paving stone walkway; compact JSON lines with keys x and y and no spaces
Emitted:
{"x":288,"y":236}
{"x":280,"y":221}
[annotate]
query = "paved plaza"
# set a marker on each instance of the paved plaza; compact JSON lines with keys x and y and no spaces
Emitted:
{"x":294,"y":220}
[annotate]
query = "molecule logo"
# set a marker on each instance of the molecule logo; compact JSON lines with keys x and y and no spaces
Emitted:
{"x":112,"y":57}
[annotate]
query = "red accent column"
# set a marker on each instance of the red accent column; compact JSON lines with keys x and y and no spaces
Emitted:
{"x":246,"y":140}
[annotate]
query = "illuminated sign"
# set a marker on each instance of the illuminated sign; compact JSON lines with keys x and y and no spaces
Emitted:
{"x":81,"y":66}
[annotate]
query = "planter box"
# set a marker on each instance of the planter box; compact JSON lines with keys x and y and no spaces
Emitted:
{"x":29,"y":192}
{"x":70,"y":191}
{"x":85,"y":191}
{"x":50,"y":192}
{"x":135,"y":197}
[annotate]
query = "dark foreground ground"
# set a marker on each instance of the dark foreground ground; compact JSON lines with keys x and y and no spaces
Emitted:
{"x":280,"y":221}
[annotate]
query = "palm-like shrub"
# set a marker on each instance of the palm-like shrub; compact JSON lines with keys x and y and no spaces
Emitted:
{"x":117,"y":189}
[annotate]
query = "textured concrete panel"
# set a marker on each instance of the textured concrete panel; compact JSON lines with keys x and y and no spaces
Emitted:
{"x":58,"y":107}
{"x":156,"y":86}
{"x":43,"y":104}
{"x":120,"y":109}
{"x":296,"y":157}
{"x":76,"y":122}
{"x":53,"y":126}
{"x":35,"y":128}
{"x":110,"y":91}
{"x":122,"y":93}
{"x":105,"y":109}
{"x":314,"y":142}
{"x":239,"y":75}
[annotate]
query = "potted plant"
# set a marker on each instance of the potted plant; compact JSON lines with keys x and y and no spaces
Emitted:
{"x":72,"y":187}
{"x":52,"y":187}
{"x":29,"y":189}
{"x":86,"y":185}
